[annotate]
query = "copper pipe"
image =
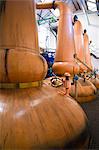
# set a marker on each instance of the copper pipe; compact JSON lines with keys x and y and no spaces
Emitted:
{"x":45,"y":5}
{"x":87,"y":52}
{"x":82,"y":63}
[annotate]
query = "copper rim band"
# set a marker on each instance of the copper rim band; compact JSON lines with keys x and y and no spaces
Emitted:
{"x":20,"y":85}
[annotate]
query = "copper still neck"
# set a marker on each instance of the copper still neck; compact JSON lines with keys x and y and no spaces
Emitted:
{"x":19,"y":50}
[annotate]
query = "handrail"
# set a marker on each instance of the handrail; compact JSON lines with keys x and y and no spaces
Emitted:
{"x":75,"y":56}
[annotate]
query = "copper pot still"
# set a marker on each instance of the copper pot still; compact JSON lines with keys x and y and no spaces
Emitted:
{"x":32,"y":115}
{"x":95,"y":80}
{"x":82,"y":53}
{"x":79,"y":44}
{"x":64,"y":58}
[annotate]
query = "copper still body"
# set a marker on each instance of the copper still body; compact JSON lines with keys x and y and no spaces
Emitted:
{"x":33,"y":115}
{"x":86,"y":50}
{"x":94,"y":80}
{"x":64,"y":59}
{"x":18,"y":44}
{"x":79,"y":44}
{"x":83,"y":83}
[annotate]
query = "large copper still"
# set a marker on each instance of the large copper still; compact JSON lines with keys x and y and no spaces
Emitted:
{"x":83,"y":83}
{"x":32,"y":114}
{"x":64,"y":59}
{"x":94,"y":80}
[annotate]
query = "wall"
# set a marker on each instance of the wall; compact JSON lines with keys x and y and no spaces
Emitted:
{"x":92,"y":25}
{"x":95,"y":63}
{"x":46,"y":38}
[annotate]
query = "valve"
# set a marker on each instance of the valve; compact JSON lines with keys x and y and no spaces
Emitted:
{"x":76,"y":78}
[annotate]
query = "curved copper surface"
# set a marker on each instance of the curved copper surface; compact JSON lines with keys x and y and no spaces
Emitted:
{"x":65,"y":43}
{"x":78,"y":38}
{"x":38,"y":118}
{"x":34,"y":117}
{"x":19,"y":49}
{"x":79,"y":43}
{"x":82,"y":87}
{"x":87,"y":52}
{"x":95,"y":81}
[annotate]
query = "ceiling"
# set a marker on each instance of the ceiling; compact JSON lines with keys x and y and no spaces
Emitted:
{"x":49,"y":18}
{"x":75,"y":5}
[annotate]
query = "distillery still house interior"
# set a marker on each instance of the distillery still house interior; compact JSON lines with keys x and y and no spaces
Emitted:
{"x":49,"y":74}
